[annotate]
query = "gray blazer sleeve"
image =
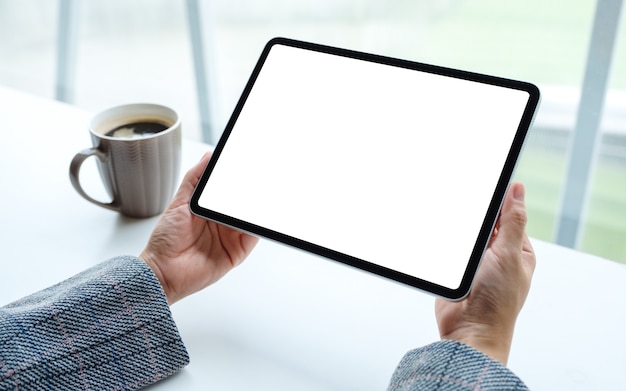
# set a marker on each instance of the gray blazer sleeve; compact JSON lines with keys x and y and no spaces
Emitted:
{"x":451,"y":365}
{"x":107,"y":328}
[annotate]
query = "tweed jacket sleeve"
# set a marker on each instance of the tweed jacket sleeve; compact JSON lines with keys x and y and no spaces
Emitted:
{"x":107,"y":328}
{"x":451,"y":365}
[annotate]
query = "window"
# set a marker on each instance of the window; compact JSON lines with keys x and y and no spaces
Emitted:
{"x":142,"y":50}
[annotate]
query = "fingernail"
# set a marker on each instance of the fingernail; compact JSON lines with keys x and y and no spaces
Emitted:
{"x":519,"y":192}
{"x":207,"y":153}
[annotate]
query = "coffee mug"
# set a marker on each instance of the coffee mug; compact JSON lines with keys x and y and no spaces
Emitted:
{"x":138,"y":148}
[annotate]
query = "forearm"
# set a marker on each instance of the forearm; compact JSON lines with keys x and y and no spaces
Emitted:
{"x":109,"y":327}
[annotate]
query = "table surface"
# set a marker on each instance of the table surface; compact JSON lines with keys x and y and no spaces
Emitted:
{"x":285,"y":319}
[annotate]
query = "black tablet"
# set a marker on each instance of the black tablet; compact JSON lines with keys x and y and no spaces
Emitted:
{"x":394,"y":167}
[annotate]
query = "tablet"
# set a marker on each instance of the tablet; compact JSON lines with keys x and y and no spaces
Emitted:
{"x":394,"y":167}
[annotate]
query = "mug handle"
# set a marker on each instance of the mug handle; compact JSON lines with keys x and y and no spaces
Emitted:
{"x":75,"y":165}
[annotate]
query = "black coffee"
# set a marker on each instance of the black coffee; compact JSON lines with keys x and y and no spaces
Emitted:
{"x":137,"y":129}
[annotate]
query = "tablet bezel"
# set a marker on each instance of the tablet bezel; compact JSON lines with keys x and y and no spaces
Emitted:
{"x":494,"y":205}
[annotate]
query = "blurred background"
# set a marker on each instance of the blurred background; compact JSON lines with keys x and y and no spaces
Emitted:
{"x":196,"y":56}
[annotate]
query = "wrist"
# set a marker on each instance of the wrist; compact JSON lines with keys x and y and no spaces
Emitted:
{"x":152,"y":264}
{"x":496,"y":343}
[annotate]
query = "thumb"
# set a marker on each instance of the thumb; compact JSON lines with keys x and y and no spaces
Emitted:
{"x":512,"y":222}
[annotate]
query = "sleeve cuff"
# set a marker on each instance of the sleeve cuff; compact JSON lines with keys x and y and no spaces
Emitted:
{"x":109,"y":327}
{"x":452,"y":365}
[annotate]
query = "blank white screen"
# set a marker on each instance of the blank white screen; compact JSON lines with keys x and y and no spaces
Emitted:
{"x":386,"y":164}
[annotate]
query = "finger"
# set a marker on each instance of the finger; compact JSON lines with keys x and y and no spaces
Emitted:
{"x":530,"y":257}
{"x":512,"y":224}
{"x":192,"y":177}
{"x":196,"y":171}
{"x":190,"y":180}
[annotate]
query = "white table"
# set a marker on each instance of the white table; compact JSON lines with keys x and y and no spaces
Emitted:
{"x":286,"y":319}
